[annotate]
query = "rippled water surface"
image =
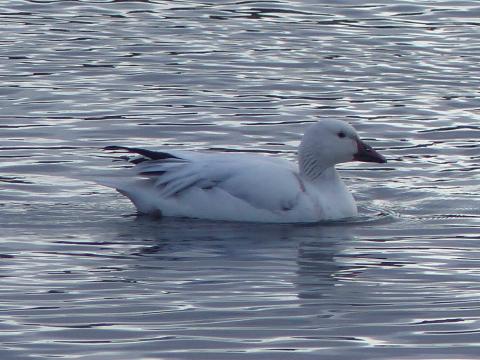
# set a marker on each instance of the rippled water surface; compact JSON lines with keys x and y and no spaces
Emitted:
{"x":83,"y":277}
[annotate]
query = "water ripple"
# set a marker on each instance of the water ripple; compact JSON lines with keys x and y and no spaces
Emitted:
{"x":83,"y":276}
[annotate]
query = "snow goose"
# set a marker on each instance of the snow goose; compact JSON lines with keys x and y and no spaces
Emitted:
{"x":248,"y":187}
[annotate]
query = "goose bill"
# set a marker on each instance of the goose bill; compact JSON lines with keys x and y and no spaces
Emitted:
{"x":366,"y":153}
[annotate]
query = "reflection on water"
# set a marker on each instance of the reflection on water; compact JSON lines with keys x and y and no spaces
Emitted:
{"x":127,"y":281}
{"x":83,"y":277}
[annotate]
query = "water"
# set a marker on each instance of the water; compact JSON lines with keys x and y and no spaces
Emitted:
{"x":83,"y":277}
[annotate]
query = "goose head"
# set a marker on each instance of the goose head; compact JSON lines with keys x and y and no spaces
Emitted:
{"x":330,"y":142}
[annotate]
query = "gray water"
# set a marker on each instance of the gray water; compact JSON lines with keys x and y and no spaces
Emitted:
{"x":83,"y":277}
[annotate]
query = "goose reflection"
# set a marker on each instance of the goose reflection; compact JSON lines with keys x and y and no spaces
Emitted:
{"x":299,"y":256}
{"x":318,"y":267}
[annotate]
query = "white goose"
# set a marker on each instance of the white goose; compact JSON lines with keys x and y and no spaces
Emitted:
{"x":246,"y":187}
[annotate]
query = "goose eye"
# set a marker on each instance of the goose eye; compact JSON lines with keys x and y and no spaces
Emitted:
{"x":341,"y":134}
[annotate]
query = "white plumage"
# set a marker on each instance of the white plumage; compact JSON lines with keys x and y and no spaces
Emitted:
{"x":247,"y":187}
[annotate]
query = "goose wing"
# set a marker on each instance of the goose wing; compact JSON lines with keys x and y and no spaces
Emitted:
{"x":262,"y":182}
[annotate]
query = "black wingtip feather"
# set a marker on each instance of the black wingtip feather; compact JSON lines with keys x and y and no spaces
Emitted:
{"x":151,"y":155}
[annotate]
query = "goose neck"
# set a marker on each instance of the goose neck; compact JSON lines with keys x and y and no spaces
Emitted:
{"x":311,"y":166}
